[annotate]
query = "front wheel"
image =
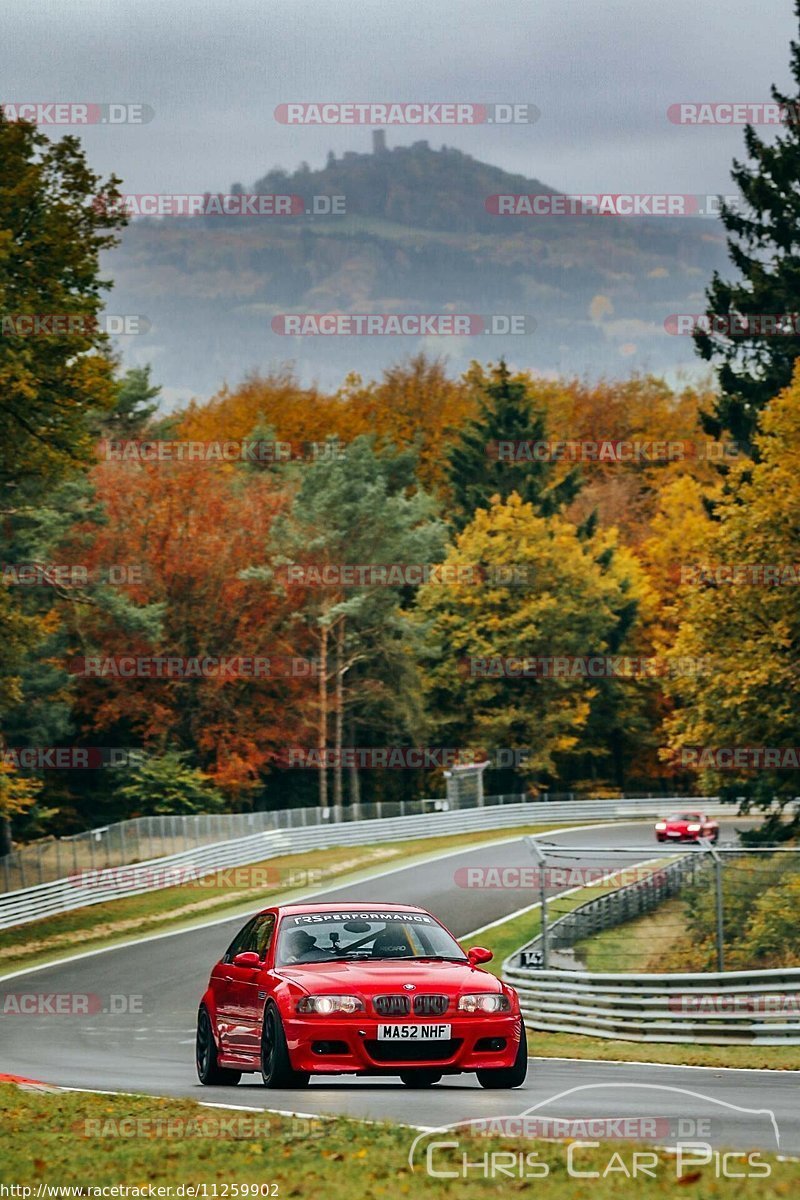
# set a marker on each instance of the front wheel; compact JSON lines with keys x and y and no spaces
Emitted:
{"x":508,"y":1077}
{"x":276,"y":1069}
{"x":418,"y":1079}
{"x":209,"y":1072}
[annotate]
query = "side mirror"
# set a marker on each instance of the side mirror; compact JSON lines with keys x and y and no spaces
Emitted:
{"x":248,"y":958}
{"x":478,"y":955}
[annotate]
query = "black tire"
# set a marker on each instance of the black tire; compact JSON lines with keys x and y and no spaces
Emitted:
{"x":209,"y":1072}
{"x":421,"y":1078}
{"x":276,"y":1069}
{"x":508,"y":1077}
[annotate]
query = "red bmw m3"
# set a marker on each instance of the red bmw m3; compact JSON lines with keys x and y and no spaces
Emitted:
{"x":364,"y":989}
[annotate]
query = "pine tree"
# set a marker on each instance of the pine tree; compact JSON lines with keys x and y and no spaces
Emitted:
{"x":478,"y":469}
{"x":764,"y":246}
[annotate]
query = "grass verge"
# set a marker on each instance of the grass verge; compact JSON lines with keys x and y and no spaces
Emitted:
{"x":87,"y":1141}
{"x":220,"y":894}
{"x":637,"y":945}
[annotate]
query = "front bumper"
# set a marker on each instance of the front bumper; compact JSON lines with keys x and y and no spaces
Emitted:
{"x":347,"y":1045}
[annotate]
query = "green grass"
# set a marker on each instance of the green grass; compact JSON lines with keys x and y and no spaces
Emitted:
{"x":637,"y":945}
{"x":73,"y":1139}
{"x":116,"y":921}
{"x":576,"y":1045}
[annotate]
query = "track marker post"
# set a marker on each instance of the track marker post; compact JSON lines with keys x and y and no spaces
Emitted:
{"x":536,"y":851}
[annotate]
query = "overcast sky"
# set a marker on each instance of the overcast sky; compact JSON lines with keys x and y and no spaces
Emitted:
{"x":602,"y":72}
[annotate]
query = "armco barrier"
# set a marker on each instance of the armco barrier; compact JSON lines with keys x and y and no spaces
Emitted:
{"x":736,"y":1007}
{"x":64,"y":895}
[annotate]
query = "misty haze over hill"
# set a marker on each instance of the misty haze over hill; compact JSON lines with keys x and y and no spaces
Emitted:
{"x":416,"y":237}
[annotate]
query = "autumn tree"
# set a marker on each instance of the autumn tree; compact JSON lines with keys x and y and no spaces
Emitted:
{"x":56,"y":216}
{"x":186,"y":530}
{"x":542,"y":594}
{"x":747,"y":626}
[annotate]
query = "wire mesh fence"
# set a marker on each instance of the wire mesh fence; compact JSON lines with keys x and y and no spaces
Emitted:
{"x":143,"y":838}
{"x":708,"y":908}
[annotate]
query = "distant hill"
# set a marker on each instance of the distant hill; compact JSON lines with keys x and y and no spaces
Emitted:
{"x":416,"y":237}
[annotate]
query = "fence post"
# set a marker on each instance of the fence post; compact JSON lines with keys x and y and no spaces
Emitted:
{"x":536,"y":851}
{"x":707,"y":845}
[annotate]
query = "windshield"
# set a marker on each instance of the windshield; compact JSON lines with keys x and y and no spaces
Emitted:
{"x":369,"y":935}
{"x":684,"y":817}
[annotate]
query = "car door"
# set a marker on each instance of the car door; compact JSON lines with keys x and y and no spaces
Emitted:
{"x":226,"y":985}
{"x":253,"y":986}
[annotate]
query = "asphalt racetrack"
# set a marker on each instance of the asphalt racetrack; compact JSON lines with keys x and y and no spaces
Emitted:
{"x":151,"y":1050}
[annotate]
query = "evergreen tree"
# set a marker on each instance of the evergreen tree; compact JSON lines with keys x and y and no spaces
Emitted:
{"x":478,"y":469}
{"x":764,"y":246}
{"x":136,"y":401}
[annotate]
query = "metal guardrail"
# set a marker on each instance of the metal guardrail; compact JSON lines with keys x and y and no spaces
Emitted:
{"x":88,"y":887}
{"x":142,"y":838}
{"x":714,"y":1008}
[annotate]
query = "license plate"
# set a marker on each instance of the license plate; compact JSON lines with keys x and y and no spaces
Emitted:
{"x":413,"y":1033}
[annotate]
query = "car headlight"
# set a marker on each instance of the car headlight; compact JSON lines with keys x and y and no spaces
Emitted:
{"x":484,"y":1002}
{"x":661,"y":826}
{"x":694,"y":828}
{"x":325,"y":1005}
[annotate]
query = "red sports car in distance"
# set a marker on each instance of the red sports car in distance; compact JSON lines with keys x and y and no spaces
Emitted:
{"x":365,"y":989}
{"x":687,"y":827}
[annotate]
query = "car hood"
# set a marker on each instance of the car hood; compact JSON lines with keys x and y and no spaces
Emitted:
{"x":375,"y":978}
